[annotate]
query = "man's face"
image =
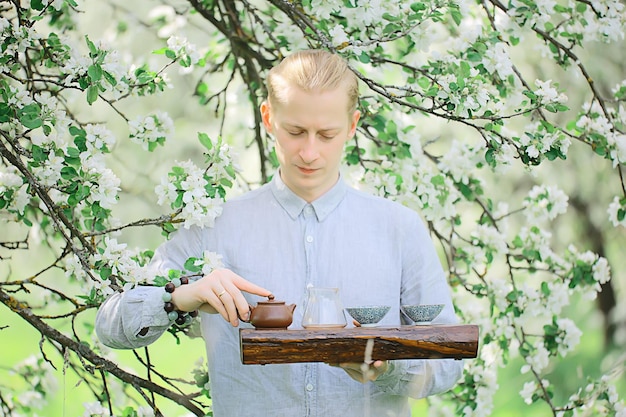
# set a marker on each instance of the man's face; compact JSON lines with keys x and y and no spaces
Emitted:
{"x":311,"y":130}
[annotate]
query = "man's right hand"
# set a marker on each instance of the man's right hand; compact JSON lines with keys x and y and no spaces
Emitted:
{"x":218,"y":292}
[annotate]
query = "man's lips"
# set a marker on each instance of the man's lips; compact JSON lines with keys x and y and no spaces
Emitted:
{"x":307,"y":170}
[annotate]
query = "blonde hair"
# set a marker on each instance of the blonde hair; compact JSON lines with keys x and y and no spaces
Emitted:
{"x":312,"y":70}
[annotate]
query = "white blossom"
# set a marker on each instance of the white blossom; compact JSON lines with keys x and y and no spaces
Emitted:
{"x":527,"y":391}
{"x":497,"y":59}
{"x":569,"y":335}
{"x":547,"y":93}
{"x":151,"y":129}
{"x":538,"y":359}
{"x":183,"y":49}
{"x":99,"y":138}
{"x":544,"y":203}
{"x":460,"y":161}
{"x":49,"y":172}
{"x":95,"y":409}
{"x":74,"y":267}
{"x":210,"y":261}
{"x":338,"y":35}
{"x":171,"y":22}
{"x":615,"y":208}
{"x":198,"y":209}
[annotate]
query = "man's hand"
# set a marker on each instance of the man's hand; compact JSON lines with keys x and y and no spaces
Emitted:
{"x":219,"y":292}
{"x":363,"y":372}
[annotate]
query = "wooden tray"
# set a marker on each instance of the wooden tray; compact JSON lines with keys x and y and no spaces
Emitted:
{"x":268,"y":346}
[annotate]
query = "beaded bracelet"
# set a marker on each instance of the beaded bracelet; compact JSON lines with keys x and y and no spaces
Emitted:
{"x":181,"y":318}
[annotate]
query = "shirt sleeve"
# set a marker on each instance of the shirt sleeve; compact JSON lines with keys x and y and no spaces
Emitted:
{"x":135,"y":317}
{"x":423,"y":282}
{"x":132,"y":319}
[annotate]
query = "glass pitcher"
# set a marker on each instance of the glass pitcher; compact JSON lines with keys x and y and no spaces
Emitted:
{"x":323,"y":309}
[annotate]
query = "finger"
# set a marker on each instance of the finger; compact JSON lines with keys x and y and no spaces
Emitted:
{"x":231,"y":309}
{"x":236,"y":304}
{"x":245,"y":285}
{"x":362,"y":372}
{"x":212,"y":293}
{"x":356,"y":375}
{"x":208,"y":308}
{"x":350,"y":366}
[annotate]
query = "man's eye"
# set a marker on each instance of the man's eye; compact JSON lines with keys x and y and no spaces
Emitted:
{"x":295,"y":133}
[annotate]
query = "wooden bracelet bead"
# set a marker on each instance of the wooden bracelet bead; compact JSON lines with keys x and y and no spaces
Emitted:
{"x":181,"y":318}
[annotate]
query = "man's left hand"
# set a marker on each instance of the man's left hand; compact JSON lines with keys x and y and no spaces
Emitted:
{"x":363,"y":372}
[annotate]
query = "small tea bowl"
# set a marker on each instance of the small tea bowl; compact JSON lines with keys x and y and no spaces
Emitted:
{"x":422,"y":313}
{"x":368,"y":316}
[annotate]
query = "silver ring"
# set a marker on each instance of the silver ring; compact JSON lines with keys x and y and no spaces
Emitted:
{"x":222,"y":293}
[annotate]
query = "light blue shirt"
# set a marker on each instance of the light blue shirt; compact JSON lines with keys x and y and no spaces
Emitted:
{"x":374,"y":250}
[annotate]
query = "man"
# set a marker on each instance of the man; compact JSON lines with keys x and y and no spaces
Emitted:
{"x":306,"y":227}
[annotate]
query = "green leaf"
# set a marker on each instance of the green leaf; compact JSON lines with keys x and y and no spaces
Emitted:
{"x":391,"y":18}
{"x":5,"y":112}
{"x":177,"y":171}
{"x":92,"y":47}
{"x":92,"y":94}
{"x":202,"y":89}
{"x":75,"y":131}
{"x":174,"y":273}
{"x":190,"y":265}
{"x":37,"y":4}
{"x":432,"y":91}
{"x":456,"y":16}
{"x":438,"y":180}
{"x":170,"y":54}
{"x":417,"y":7}
{"x":160,"y":281}
{"x":205,"y":140}
{"x":423,"y":82}
{"x":392,"y":28}
{"x":110,"y":79}
{"x":31,"y":121}
{"x":29,"y":116}
{"x":490,"y":157}
{"x":68,"y":173}
{"x":39,"y":154}
{"x":230,"y":171}
{"x":94,"y":72}
{"x":465,"y":69}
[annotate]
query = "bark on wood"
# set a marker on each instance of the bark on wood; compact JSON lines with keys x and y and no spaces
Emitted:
{"x":348,"y":345}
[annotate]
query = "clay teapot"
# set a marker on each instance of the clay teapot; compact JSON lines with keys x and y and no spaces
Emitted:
{"x":271,"y":314}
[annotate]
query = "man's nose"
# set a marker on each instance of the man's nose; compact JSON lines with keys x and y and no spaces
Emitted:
{"x":309,"y":151}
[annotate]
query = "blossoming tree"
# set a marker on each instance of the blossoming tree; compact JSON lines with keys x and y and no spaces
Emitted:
{"x":478,"y":115}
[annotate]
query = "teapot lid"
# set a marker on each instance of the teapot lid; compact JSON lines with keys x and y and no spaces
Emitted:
{"x":270,"y":300}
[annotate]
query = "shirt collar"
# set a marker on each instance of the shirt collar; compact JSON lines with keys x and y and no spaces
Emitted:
{"x":294,"y":204}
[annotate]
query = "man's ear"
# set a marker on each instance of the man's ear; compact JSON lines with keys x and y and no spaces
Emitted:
{"x":265,"y":116}
{"x":354,"y":123}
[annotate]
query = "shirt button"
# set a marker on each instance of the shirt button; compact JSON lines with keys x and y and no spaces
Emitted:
{"x":309,"y":387}
{"x":309,"y":238}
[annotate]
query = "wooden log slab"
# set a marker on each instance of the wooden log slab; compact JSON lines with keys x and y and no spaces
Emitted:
{"x":334,"y":346}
